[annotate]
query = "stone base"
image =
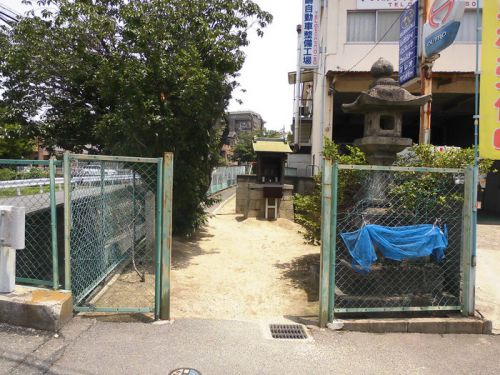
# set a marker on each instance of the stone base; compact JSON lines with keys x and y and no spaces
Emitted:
{"x":36,"y":308}
{"x":382,"y":150}
{"x":250,"y":200}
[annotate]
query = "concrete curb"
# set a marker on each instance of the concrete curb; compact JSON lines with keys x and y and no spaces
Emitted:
{"x":446,"y":325}
{"x":36,"y":308}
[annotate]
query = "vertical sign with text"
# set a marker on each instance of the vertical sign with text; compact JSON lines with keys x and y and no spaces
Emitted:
{"x":489,"y":130}
{"x":408,"y":44}
{"x":311,"y":14}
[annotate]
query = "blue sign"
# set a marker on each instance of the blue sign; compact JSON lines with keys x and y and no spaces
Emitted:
{"x":441,"y":39}
{"x":408,"y":44}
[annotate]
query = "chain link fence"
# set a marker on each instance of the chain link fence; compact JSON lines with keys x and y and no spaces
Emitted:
{"x":113,"y":237}
{"x":33,"y":184}
{"x":224,"y":177}
{"x":393,"y":198}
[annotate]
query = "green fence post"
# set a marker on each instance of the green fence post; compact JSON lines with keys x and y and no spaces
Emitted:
{"x":168,"y":174}
{"x":326,"y":216}
{"x":333,"y":241}
{"x":53,"y":223}
{"x":67,"y":220}
{"x":158,"y":235}
{"x":467,"y":267}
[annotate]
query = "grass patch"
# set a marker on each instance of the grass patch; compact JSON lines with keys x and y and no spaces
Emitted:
{"x":30,"y":190}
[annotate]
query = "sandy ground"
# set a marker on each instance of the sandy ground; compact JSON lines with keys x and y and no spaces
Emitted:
{"x":488,"y":271}
{"x":244,"y":269}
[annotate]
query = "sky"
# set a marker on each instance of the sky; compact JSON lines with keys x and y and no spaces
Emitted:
{"x":269,"y":59}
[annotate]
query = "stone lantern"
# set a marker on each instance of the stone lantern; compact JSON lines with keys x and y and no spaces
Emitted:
{"x":383,"y":105}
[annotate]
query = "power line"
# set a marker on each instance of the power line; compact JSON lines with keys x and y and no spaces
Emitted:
{"x":6,"y":17}
{"x":9,"y":10}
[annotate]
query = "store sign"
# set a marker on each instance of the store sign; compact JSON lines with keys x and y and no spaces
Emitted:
{"x":310,"y":33}
{"x":402,"y":4}
{"x":489,"y":129}
{"x":443,"y":23}
{"x":408,"y":45}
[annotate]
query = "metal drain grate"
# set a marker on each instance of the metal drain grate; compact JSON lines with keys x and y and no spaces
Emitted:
{"x":288,"y":331}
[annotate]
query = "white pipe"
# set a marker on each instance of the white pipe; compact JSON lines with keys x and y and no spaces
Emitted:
{"x":297,"y":88}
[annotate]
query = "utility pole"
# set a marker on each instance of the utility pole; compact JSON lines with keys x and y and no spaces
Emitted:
{"x":425,"y":83}
{"x":298,"y":98}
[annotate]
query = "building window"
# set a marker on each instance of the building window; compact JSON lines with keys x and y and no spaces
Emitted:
{"x":376,"y":26}
{"x":383,"y":26}
{"x":361,"y":26}
{"x":243,"y":125}
{"x":467,"y":31}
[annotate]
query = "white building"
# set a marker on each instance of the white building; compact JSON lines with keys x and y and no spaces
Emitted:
{"x":354,"y":34}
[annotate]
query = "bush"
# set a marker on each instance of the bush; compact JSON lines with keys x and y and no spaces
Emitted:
{"x":308,"y":207}
{"x":413,"y":190}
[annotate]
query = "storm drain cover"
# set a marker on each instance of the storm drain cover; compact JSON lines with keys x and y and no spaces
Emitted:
{"x":288,"y":331}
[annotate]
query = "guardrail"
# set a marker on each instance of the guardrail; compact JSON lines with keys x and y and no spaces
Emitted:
{"x":41,"y":182}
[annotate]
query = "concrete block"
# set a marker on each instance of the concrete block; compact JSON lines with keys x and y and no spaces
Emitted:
{"x":376,"y":325}
{"x":487,"y":327}
{"x":457,"y":325}
{"x":36,"y":308}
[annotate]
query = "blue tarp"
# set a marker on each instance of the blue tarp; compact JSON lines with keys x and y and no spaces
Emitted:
{"x":396,"y":243}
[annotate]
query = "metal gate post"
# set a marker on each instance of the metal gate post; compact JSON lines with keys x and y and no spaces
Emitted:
{"x":158,"y":235}
{"x":67,"y":220}
{"x":326,"y":216}
{"x":468,"y":266}
{"x":333,"y":240}
{"x":53,"y":223}
{"x":168,"y":174}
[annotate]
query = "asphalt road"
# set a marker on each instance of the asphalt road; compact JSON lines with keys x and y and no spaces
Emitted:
{"x":222,"y":196}
{"x":86,"y":346}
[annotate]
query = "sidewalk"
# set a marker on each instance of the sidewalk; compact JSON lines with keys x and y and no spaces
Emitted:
{"x":86,"y":346}
{"x":488,"y":266}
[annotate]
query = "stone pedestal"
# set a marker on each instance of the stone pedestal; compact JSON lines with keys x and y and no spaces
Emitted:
{"x":250,"y":199}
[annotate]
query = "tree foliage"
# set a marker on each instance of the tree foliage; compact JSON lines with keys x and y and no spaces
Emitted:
{"x":132,"y":78}
{"x":14,"y":144}
{"x":243,"y":150}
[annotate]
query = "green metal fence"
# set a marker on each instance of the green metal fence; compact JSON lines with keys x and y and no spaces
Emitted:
{"x":354,"y":196}
{"x":224,"y":177}
{"x":114,"y":233}
{"x":33,"y":184}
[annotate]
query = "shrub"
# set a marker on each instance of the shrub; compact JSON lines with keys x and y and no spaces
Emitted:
{"x":422,"y":190}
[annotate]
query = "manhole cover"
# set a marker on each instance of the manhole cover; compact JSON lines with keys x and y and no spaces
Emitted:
{"x":288,"y":331}
{"x":185,"y":371}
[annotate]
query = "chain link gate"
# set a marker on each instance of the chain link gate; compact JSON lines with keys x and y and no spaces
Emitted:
{"x":32,"y":184}
{"x":355,"y":196}
{"x":117,"y":236}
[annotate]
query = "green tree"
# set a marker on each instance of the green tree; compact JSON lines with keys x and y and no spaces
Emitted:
{"x":243,"y":150}
{"x":132,"y":78}
{"x":14,"y":144}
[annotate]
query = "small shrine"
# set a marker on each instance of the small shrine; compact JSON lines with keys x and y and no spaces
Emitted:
{"x":265,"y":195}
{"x":383,"y":105}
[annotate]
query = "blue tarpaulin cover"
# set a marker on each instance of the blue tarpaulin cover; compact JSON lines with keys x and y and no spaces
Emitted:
{"x":396,"y":243}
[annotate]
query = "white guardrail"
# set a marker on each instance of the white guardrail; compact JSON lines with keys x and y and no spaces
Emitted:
{"x":41,"y":182}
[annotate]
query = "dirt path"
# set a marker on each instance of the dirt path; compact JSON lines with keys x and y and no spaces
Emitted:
{"x":244,"y":269}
